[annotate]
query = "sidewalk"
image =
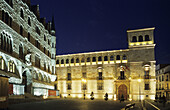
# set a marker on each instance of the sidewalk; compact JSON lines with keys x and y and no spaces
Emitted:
{"x":160,"y":105}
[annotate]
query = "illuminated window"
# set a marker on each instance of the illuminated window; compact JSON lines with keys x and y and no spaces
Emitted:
{"x":134,"y":39}
{"x":22,"y":14}
{"x":2,"y":63}
{"x":69,"y":86}
{"x":100,"y":86}
{"x":72,"y":60}
{"x":88,"y":59}
{"x":147,"y":38}
{"x":124,"y":57}
{"x":11,"y":66}
{"x":140,"y":38}
{"x":118,"y":57}
{"x":99,"y":58}
{"x":67,"y":61}
{"x":147,"y":87}
{"x":94,"y":59}
{"x":112,"y":58}
{"x":77,"y":60}
{"x":29,"y":21}
{"x":105,"y":58}
{"x":62,"y":61}
{"x":68,"y":76}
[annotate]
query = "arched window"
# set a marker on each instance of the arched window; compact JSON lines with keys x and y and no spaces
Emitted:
{"x":62,"y":61}
{"x":49,"y":80}
{"x":45,"y":38}
{"x":40,"y":77}
{"x":44,"y":66}
{"x":94,"y":59}
{"x":140,"y":38}
{"x":21,"y":30}
{"x":37,"y":61}
{"x":7,"y":18}
{"x":124,"y":57}
{"x":105,"y":58}
{"x":88,"y":59}
{"x":118,"y":57}
{"x":67,"y":61}
{"x":29,"y":37}
{"x":22,"y":14}
{"x":21,"y":51}
{"x":57,"y":62}
{"x":11,"y":66}
{"x":99,"y":58}
{"x":49,"y":68}
{"x":7,"y":45}
{"x":112,"y":58}
{"x":29,"y":21}
{"x":2,"y":63}
{"x":134,"y":39}
{"x":36,"y":76}
{"x":147,"y":38}
{"x":48,"y":42}
{"x":72,"y":60}
{"x":2,"y":39}
{"x":11,"y":50}
{"x":44,"y":49}
{"x":82,"y":60}
{"x":77,"y":60}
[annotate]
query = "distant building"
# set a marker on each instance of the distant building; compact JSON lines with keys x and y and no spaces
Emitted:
{"x":129,"y":72}
{"x":163,"y":80}
{"x":27,"y":53}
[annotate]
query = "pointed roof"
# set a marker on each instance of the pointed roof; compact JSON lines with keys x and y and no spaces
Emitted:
{"x":53,"y":24}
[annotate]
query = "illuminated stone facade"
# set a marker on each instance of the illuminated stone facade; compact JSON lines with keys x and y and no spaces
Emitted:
{"x":163,"y":80}
{"x":27,"y":53}
{"x":129,"y":72}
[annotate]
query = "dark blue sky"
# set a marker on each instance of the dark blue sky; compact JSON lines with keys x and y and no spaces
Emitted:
{"x":98,"y":25}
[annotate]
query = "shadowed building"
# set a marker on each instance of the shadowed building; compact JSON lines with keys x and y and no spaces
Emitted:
{"x":129,"y":73}
{"x":163,"y":80}
{"x":27,"y":53}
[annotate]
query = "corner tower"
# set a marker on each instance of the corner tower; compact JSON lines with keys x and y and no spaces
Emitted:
{"x":140,"y":37}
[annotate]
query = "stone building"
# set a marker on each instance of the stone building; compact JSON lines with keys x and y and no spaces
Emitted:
{"x":129,"y":72}
{"x":27,"y":53}
{"x":163,"y":80}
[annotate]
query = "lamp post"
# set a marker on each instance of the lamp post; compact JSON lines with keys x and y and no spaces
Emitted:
{"x":139,"y":80}
{"x":84,"y":81}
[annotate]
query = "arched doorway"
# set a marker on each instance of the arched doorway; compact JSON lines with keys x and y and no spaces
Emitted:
{"x":122,"y":90}
{"x":27,"y":81}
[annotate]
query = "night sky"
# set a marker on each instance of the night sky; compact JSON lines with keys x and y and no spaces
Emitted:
{"x":99,"y":25}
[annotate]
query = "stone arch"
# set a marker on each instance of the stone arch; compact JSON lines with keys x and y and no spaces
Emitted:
{"x":27,"y":80}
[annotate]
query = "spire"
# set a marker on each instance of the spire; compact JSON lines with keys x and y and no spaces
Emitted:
{"x":53,"y":24}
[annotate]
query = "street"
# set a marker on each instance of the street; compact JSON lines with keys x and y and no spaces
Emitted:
{"x":73,"y":104}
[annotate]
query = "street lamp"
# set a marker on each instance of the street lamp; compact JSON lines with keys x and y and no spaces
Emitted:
{"x":84,"y":82}
{"x":139,"y":80}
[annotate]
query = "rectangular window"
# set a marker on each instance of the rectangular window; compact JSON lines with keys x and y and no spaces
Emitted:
{"x":83,"y":75}
{"x":167,"y":78}
{"x":84,"y":86}
{"x":68,"y":76}
{"x":100,"y":76}
{"x":100,"y":86}
{"x":69,"y":86}
{"x":37,"y":61}
{"x":147,"y":87}
{"x":53,"y":70}
{"x":162,"y":77}
{"x":122,"y":75}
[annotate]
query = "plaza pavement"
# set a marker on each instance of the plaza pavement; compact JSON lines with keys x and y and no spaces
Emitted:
{"x":73,"y":104}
